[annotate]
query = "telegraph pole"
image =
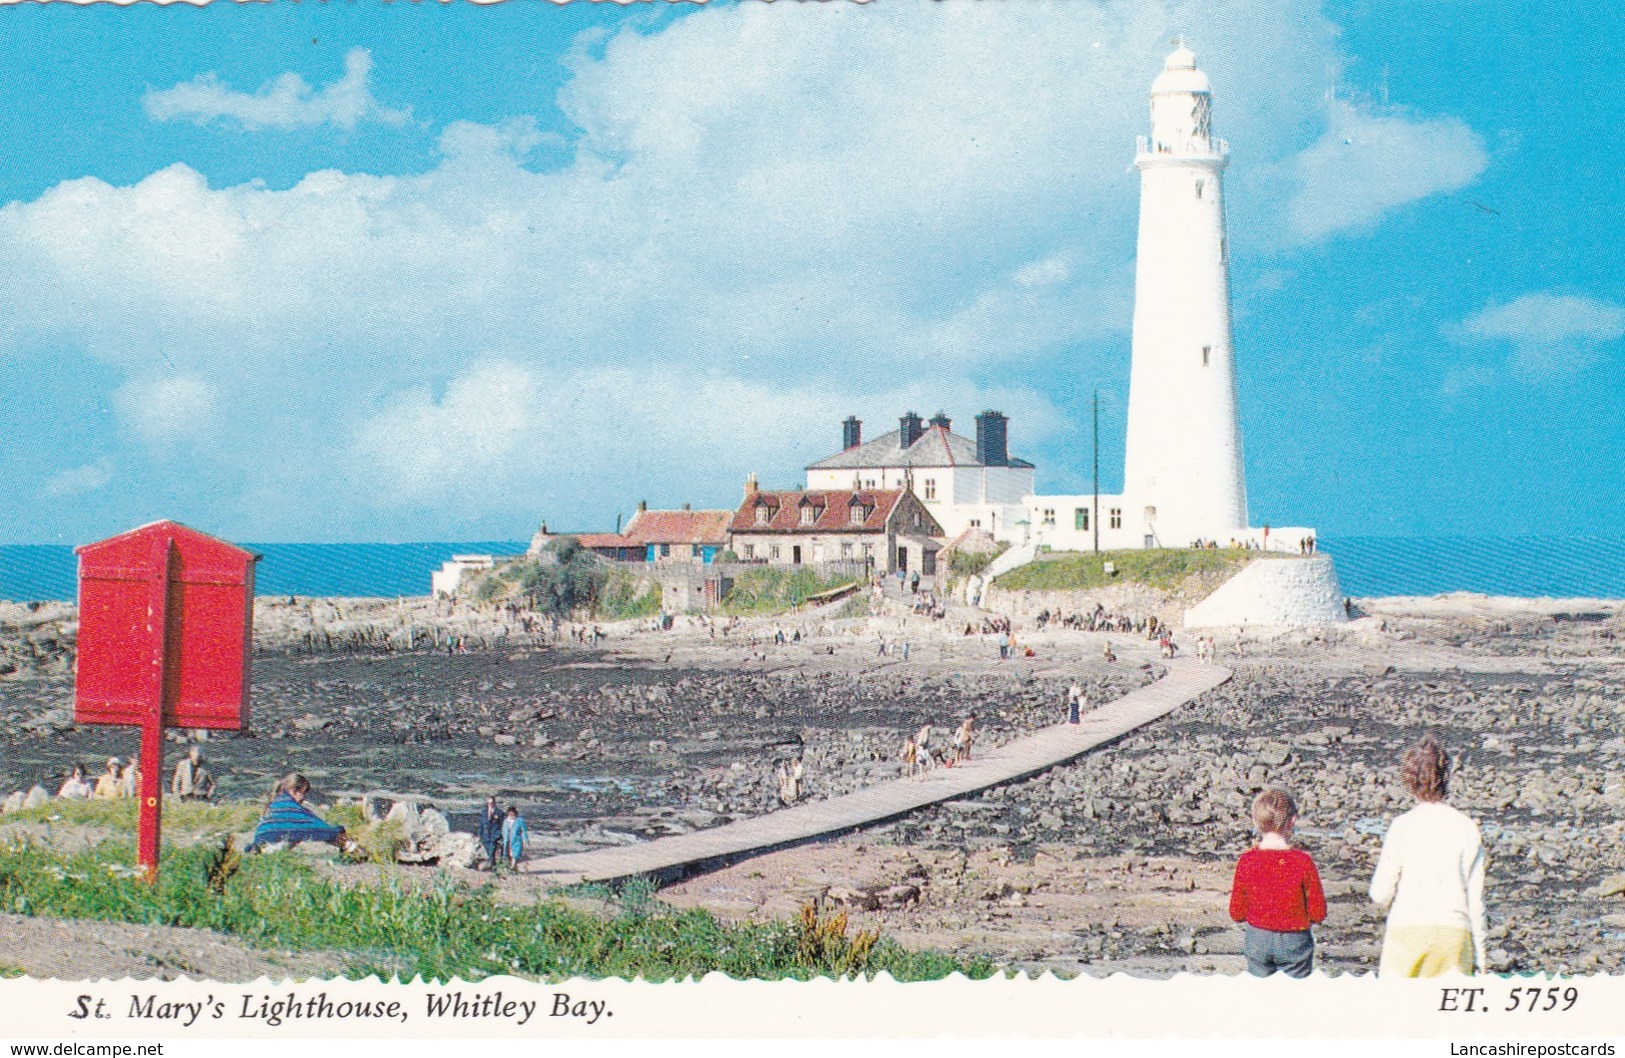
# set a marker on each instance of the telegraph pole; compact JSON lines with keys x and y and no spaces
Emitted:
{"x":1095,"y":519}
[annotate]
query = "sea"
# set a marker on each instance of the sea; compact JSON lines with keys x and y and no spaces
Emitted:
{"x":1367,"y":566}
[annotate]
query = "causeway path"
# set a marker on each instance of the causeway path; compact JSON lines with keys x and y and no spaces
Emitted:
{"x":1016,"y":759}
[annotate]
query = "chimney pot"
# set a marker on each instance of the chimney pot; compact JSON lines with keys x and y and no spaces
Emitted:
{"x":851,"y":432}
{"x":993,"y":439}
{"x":910,"y":428}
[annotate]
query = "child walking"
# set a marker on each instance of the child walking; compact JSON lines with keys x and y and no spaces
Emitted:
{"x":1277,"y":893}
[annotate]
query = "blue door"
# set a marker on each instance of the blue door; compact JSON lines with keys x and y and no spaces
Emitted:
{"x":708,"y":554}
{"x":651,"y":553}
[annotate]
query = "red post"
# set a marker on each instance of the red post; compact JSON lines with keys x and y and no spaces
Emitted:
{"x":166,"y":622}
{"x":155,"y":692}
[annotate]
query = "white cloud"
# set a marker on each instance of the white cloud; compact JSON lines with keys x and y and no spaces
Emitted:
{"x":288,"y":102}
{"x":1369,"y":163}
{"x":772,"y":216}
{"x":1550,"y":333}
{"x":79,"y":481}
{"x":166,"y":409}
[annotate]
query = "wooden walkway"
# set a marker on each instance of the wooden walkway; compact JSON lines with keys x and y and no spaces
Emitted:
{"x":1017,"y":759}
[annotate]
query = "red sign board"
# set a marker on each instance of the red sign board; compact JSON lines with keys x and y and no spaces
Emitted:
{"x":165,"y":630}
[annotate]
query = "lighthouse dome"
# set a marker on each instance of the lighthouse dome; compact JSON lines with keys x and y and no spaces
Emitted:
{"x":1179,"y":74}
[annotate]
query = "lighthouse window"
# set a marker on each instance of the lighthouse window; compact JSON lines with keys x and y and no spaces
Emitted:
{"x":930,"y":488}
{"x":1080,"y":519}
{"x":1116,"y":517}
{"x":1200,"y":185}
{"x":1049,"y":516}
{"x":1206,"y":350}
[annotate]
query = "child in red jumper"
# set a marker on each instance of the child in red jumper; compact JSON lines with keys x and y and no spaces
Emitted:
{"x":1277,"y":893}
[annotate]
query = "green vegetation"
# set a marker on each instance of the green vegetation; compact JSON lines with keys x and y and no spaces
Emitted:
{"x":1163,"y":568}
{"x":856,"y":605}
{"x":966,"y":564}
{"x":771,"y":589}
{"x":567,"y":579}
{"x":448,"y":930}
{"x":623,"y":595}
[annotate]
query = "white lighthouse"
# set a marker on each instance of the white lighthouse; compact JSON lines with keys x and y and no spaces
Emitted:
{"x":1182,"y":474}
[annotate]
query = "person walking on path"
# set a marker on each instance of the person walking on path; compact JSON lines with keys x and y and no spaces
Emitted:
{"x":1430,"y":877}
{"x":288,"y":819}
{"x":1277,"y":893}
{"x":514,"y":835}
{"x":490,"y":830}
{"x":1074,"y":704}
{"x":963,"y":738}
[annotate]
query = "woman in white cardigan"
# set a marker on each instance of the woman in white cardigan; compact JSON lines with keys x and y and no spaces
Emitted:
{"x":1430,"y":878}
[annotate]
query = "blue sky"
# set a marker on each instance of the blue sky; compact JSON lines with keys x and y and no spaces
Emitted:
{"x":357,"y":272}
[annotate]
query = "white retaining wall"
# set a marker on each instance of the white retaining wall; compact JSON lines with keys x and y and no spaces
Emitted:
{"x":1276,"y":592}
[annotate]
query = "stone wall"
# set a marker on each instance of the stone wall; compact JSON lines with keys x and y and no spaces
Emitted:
{"x":1283,"y":592}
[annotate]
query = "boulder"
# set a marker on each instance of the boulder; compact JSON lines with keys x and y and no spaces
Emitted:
{"x":406,"y":814}
{"x":1274,"y":754}
{"x":14,"y":803}
{"x":429,"y":828}
{"x":859,"y":899}
{"x":36,"y":797}
{"x":455,"y":849}
{"x":1613,"y":885}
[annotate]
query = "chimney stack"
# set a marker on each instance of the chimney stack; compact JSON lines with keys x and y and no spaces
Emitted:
{"x":993,"y":439}
{"x":643,"y":505}
{"x":941,"y":419}
{"x":912,"y":427}
{"x":851,"y":432}
{"x":750,"y":485}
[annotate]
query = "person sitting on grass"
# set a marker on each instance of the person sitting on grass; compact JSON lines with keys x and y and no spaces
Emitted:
{"x":514,"y":835}
{"x":108,"y":784}
{"x":288,"y":820}
{"x":1277,"y":893}
{"x":191,"y":778}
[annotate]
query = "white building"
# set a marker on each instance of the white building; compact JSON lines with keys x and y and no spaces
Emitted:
{"x":963,"y":483}
{"x":445,"y":581}
{"x":1182,"y":474}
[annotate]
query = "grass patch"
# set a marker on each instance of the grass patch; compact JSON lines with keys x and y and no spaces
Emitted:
{"x":449,"y":930}
{"x":771,"y":590}
{"x":623,"y":595}
{"x":1164,"y":568}
{"x":856,"y":605}
{"x":963,"y":565}
{"x":193,"y":817}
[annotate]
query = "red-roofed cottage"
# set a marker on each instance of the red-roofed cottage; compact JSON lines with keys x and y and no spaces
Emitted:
{"x":656,"y":536}
{"x":889,"y":529}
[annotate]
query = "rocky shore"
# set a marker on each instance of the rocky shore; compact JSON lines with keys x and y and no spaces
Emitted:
{"x":1119,"y":860}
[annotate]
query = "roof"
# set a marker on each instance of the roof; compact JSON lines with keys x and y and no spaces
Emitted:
{"x":832,"y":507}
{"x":597,"y":541}
{"x":937,"y":446}
{"x":678,"y":527}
